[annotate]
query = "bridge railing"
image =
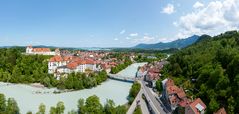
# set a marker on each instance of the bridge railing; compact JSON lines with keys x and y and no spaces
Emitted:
{"x":121,"y":77}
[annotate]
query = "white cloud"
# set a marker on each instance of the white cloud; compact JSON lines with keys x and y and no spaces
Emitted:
{"x":169,"y":9}
{"x":214,"y":18}
{"x":133,"y":34}
{"x":127,"y":38}
{"x":122,"y":32}
{"x":145,"y":39}
{"x":116,"y":39}
{"x":198,"y":5}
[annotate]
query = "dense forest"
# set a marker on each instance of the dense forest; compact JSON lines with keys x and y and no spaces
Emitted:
{"x":209,"y":69}
{"x":16,"y":67}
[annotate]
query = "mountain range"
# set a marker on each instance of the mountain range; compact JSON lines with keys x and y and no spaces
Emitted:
{"x":180,"y":43}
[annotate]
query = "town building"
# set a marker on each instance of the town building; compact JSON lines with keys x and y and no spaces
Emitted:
{"x":151,"y":72}
{"x":195,"y":107}
{"x":174,"y":97}
{"x":41,"y":51}
{"x":59,"y":65}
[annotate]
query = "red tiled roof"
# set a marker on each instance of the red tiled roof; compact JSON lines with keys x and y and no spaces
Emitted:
{"x":153,"y":76}
{"x":185,"y":102}
{"x":56,"y":58}
{"x":105,"y":66}
{"x":67,"y":58}
{"x":196,"y":102}
{"x":173,"y":89}
{"x":89,"y":61}
{"x":41,"y":50}
{"x":181,"y":94}
{"x":72,"y":65}
{"x":155,"y":70}
{"x":170,"y":82}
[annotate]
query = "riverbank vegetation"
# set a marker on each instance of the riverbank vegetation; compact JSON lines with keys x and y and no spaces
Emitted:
{"x":79,"y":81}
{"x":134,"y":90}
{"x":91,"y":105}
{"x":137,"y":110}
{"x":121,"y":66}
{"x":147,"y":57}
{"x":16,"y":67}
{"x":209,"y":69}
{"x":8,"y":106}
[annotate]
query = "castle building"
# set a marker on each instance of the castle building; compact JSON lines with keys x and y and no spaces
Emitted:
{"x":41,"y":51}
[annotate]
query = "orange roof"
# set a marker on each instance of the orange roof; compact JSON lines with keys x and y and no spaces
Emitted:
{"x":181,"y":94}
{"x":185,"y":102}
{"x":170,"y":82}
{"x":172,"y":89}
{"x":56,"y":58}
{"x":89,"y":61}
{"x":221,"y":111}
{"x":67,"y":58}
{"x":41,"y":50}
{"x":197,"y":103}
{"x":72,"y":65}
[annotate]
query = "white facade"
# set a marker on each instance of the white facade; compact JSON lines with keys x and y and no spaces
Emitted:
{"x":52,"y":66}
{"x":30,"y":50}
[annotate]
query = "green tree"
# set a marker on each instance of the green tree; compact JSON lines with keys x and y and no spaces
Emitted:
{"x":53,"y":110}
{"x":121,"y":110}
{"x":12,"y":107}
{"x":93,"y":106}
{"x":60,"y":108}
{"x":72,"y":112}
{"x":81,"y":106}
{"x":213,"y":105}
{"x":29,"y":112}
{"x":109,"y":107}
{"x":135,"y":88}
{"x":137,"y":110}
{"x":159,"y":85}
{"x":231,"y":105}
{"x":2,"y":103}
{"x":41,"y":109}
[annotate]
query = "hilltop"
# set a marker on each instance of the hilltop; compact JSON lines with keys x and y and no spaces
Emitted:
{"x":180,"y":43}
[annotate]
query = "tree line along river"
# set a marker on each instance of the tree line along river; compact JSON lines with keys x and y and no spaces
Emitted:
{"x":29,"y":98}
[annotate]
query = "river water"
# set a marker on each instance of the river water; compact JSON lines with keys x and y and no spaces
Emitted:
{"x":28,"y":100}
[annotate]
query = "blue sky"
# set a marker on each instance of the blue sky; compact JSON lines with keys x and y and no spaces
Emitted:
{"x":111,"y":23}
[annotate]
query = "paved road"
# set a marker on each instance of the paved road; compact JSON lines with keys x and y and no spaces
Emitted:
{"x":142,"y":104}
{"x":154,"y":103}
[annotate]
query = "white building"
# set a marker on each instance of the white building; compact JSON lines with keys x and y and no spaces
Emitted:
{"x":58,"y":65}
{"x":41,"y":51}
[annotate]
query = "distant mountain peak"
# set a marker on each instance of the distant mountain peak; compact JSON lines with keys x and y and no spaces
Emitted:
{"x":179,"y":43}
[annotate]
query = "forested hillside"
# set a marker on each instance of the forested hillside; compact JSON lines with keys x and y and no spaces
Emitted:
{"x":209,"y":69}
{"x":16,"y":67}
{"x":180,"y":43}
